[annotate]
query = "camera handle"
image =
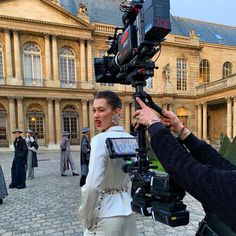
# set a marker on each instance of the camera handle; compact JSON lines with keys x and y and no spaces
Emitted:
{"x":147,"y":99}
{"x":143,"y":162}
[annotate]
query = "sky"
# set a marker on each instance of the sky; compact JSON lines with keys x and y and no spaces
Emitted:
{"x":216,"y":11}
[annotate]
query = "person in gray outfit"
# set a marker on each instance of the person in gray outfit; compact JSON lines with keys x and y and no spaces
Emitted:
{"x":3,"y":188}
{"x":32,"y":153}
{"x":66,"y":158}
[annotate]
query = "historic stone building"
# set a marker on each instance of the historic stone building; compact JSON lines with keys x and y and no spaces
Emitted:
{"x":47,"y":78}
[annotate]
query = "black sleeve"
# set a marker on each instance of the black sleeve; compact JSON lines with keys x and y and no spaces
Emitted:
{"x":214,"y":188}
{"x":206,"y":154}
{"x":35,"y":145}
{"x":23,"y":149}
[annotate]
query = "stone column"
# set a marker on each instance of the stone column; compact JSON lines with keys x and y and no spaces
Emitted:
{"x":8,"y":54}
{"x":20,"y":113}
{"x":89,"y":61}
{"x":85,"y":113}
{"x":51,"y":130}
{"x":205,"y":121}
{"x":127,"y":117}
{"x":234,"y":115}
{"x":55,"y":58}
{"x":91,"y":119}
{"x":12,"y":120}
{"x":82,"y":61}
{"x":58,"y":121}
{"x":48,"y":72}
{"x":229,"y":117}
{"x":17,"y":57}
{"x":199,"y":120}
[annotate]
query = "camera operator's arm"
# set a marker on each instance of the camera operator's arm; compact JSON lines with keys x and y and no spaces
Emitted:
{"x":199,"y":149}
{"x":90,"y":191}
{"x":214,"y":188}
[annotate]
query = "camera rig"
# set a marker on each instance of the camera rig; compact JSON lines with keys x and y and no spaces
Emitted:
{"x":129,"y":62}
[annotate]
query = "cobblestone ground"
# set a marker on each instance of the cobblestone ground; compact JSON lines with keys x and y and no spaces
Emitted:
{"x":49,"y":205}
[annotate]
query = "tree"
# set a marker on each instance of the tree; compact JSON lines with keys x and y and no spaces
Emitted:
{"x":231,"y":152}
{"x":225,"y":143}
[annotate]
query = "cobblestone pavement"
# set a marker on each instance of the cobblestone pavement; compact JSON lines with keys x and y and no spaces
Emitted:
{"x":49,"y":205}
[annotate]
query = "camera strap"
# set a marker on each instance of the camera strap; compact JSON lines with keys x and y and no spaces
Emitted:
{"x":211,"y":225}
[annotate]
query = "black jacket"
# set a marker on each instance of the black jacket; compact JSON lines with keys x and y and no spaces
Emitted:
{"x":21,"y":149}
{"x":203,"y":172}
{"x":85,"y":150}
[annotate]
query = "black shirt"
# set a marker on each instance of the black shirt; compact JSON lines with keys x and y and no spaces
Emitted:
{"x":203,"y":172}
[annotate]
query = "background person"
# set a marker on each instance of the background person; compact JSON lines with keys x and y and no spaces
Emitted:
{"x":32,"y":153}
{"x":66,"y":158}
{"x":84,"y":155}
{"x":3,"y":188}
{"x":203,"y":172}
{"x":18,"y":170}
{"x":105,"y":200}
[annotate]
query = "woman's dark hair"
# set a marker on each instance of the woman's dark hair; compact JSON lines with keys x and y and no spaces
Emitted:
{"x":112,"y":98}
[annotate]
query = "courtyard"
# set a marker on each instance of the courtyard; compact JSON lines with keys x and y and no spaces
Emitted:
{"x":49,"y":204}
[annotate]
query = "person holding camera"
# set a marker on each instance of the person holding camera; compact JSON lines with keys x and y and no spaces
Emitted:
{"x":105,"y":199}
{"x":200,"y":170}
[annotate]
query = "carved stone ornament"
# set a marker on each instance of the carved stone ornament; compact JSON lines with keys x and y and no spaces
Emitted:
{"x":83,"y":10}
{"x":166,"y":73}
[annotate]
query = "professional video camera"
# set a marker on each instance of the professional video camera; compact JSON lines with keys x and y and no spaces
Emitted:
{"x":146,"y":23}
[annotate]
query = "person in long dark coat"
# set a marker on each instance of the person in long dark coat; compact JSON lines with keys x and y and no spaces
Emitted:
{"x":84,"y":155}
{"x":3,"y":188}
{"x":18,"y":172}
{"x":32,"y":153}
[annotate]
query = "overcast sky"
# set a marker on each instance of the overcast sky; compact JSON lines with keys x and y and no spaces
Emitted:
{"x":216,"y":11}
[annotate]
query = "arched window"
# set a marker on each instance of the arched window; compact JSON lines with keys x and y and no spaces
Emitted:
{"x":67,"y":67}
{"x":35,"y":119}
{"x":71,"y":122}
{"x":3,"y":126}
{"x":32,"y":65}
{"x":1,"y":66}
{"x":204,"y":71}
{"x":227,"y":69}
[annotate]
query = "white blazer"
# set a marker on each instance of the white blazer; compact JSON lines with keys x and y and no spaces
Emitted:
{"x":104,"y":173}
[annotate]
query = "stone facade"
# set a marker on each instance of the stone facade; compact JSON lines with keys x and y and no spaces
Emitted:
{"x":47,"y":80}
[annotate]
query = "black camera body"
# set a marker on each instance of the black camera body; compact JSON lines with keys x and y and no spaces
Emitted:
{"x":146,"y":23}
{"x":156,"y":194}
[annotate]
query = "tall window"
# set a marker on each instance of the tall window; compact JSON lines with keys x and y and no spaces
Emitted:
{"x":181,"y":74}
{"x":3,"y":125}
{"x":204,"y":71}
{"x":67,"y":67}
{"x":71,"y":122}
{"x":227,"y":69}
{"x":32,"y":65}
{"x":149,"y":82}
{"x":35,"y":118}
{"x":1,"y":66}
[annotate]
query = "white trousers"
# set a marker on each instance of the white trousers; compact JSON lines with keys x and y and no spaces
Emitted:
{"x":114,"y":226}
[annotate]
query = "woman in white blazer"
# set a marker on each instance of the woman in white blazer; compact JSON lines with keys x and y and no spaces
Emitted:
{"x":105,"y":199}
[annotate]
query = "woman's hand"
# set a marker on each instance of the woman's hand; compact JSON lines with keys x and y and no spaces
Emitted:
{"x":144,"y":116}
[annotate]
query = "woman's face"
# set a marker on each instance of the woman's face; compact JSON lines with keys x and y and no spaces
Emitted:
{"x":103,"y":114}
